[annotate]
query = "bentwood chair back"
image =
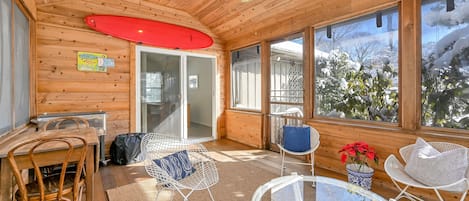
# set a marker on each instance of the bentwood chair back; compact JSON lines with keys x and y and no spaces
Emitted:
{"x":51,"y":187}
{"x":57,"y":122}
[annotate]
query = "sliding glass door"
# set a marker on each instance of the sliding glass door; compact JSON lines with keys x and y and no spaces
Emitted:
{"x":160,"y":90}
{"x":200,"y":104}
{"x":175,"y":93}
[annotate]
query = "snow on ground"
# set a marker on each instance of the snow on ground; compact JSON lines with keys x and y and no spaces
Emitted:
{"x":439,"y":16}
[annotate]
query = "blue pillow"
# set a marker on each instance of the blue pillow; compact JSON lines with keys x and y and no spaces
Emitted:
{"x":177,"y":165}
{"x":296,"y":138}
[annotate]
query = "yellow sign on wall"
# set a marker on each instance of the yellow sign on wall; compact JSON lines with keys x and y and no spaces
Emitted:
{"x":88,"y":61}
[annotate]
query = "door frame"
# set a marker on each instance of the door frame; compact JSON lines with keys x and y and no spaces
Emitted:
{"x":183,"y":84}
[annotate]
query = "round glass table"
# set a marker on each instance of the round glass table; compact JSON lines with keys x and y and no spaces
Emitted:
{"x":299,"y":188}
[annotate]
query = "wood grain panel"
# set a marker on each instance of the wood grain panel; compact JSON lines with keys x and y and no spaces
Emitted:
{"x":64,"y":86}
{"x":306,"y":15}
{"x":61,"y":33}
{"x":70,"y":97}
{"x":386,"y":142}
{"x":244,"y":127}
{"x":410,"y":106}
{"x":73,"y":74}
{"x":30,"y":5}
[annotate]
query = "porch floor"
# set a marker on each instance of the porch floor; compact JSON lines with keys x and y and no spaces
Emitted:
{"x":223,"y":151}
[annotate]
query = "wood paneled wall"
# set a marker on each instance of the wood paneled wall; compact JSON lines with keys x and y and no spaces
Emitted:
{"x":30,"y":5}
{"x":244,"y":127}
{"x":387,"y":139}
{"x":61,"y":33}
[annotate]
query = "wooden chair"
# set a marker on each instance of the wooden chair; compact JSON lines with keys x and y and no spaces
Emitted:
{"x":57,"y":122}
{"x":52,"y":187}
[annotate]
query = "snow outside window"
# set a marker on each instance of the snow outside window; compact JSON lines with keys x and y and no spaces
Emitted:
{"x":246,"y":78}
{"x":286,"y":75}
{"x":356,"y":71}
{"x":445,"y":64}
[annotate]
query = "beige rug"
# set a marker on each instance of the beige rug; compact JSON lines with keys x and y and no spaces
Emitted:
{"x":238,"y":181}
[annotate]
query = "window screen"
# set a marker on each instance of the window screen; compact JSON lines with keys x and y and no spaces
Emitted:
{"x":5,"y":67}
{"x":21,"y":85}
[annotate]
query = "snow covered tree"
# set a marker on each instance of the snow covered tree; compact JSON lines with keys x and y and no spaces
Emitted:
{"x":445,"y":67}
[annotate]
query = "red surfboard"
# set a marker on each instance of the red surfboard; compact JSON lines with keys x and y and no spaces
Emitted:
{"x":149,"y":32}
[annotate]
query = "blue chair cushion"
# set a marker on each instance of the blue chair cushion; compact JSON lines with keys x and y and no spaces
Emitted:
{"x":296,"y":139}
{"x":177,"y":165}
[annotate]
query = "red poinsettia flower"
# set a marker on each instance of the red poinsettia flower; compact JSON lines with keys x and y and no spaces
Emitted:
{"x":359,"y":153}
{"x":371,"y":155}
{"x":343,"y":158}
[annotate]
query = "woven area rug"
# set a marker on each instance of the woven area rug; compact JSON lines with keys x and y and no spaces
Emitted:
{"x":238,"y":181}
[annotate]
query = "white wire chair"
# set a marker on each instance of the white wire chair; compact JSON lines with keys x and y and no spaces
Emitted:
{"x":156,"y":146}
{"x":395,"y":170}
{"x":314,"y":142}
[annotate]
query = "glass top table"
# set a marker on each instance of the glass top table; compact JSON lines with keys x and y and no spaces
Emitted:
{"x":299,"y":188}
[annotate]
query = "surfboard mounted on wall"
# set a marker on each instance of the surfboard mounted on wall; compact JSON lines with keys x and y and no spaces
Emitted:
{"x":149,"y":32}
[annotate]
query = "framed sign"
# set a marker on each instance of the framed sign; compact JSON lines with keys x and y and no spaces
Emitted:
{"x":87,"y":61}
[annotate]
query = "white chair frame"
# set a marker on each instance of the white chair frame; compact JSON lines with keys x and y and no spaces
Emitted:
{"x":156,"y":146}
{"x":314,"y":137}
{"x":395,"y":170}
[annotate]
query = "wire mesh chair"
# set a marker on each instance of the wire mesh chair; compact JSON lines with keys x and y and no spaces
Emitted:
{"x":395,"y":170}
{"x":156,"y":146}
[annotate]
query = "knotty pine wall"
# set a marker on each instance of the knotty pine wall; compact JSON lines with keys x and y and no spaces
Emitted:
{"x":387,"y":139}
{"x":61,"y":33}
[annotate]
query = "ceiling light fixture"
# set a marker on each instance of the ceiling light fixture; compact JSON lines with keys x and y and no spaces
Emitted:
{"x":140,"y":31}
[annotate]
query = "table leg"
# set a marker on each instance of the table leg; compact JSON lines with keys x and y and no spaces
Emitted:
{"x":90,"y":163}
{"x":6,"y":179}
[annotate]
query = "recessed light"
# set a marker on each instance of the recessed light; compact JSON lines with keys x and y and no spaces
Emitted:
{"x":140,"y":31}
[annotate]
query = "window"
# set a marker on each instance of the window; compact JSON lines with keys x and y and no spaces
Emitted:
{"x":356,"y":68}
{"x":153,"y":86}
{"x":246,"y":78}
{"x":445,"y":64}
{"x":5,"y":67}
{"x":286,"y":75}
{"x":14,"y":88}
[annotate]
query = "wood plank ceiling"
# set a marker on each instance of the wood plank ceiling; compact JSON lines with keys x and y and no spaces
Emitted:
{"x":230,"y":19}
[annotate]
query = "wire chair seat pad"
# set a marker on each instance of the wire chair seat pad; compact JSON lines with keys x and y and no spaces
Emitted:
{"x":202,"y":178}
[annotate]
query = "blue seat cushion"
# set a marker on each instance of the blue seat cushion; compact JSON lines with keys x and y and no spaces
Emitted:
{"x":177,"y":165}
{"x":297,"y":139}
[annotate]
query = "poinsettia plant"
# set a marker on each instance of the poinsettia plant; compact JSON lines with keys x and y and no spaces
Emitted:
{"x":358,"y":153}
